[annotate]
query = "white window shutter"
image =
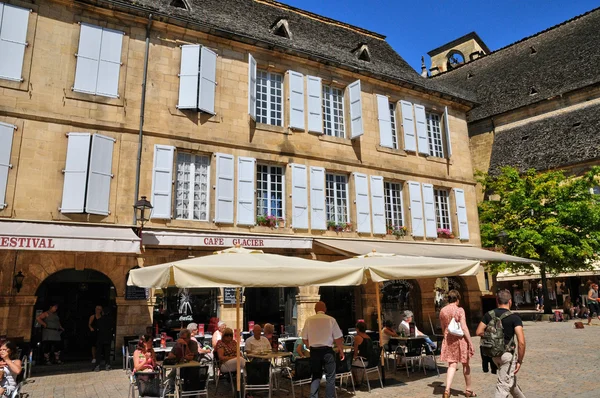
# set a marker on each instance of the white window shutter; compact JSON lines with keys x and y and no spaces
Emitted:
{"x":99,"y":175}
{"x":315,"y":104}
{"x":76,"y":170}
{"x":385,"y":121}
{"x":188,"y":77}
{"x":296,"y":81}
{"x":299,"y":196}
{"x":423,"y":140}
{"x":378,"y":205}
{"x":416,"y":209}
{"x":109,"y":67}
{"x":317,"y":198}
{"x":363,"y":207}
{"x":447,"y":131}
{"x":13,"y":40}
{"x":429,"y":207}
{"x":162,"y":181}
{"x":408,"y":125}
{"x":88,"y":59}
{"x":461,"y":214}
{"x":224,"y":189}
{"x":356,"y":118}
{"x":6,"y":139}
{"x":252,"y":87}
{"x":208,"y":80}
{"x":246,"y":198}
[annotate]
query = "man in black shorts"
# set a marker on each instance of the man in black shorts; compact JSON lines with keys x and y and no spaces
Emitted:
{"x":593,"y":301}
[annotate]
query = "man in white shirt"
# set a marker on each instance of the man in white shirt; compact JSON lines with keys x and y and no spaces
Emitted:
{"x":257,"y":343}
{"x":319,"y":333}
{"x":405,"y":325}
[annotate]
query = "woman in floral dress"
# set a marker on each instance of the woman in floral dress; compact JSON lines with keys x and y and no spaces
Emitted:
{"x":456,"y":349}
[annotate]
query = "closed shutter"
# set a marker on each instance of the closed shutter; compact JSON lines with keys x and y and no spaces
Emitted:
{"x":162,"y":181}
{"x":317,"y":198}
{"x":378,"y":205}
{"x":416,"y":209}
{"x":208,"y":80}
{"x":461,"y":214}
{"x":246,"y":206}
{"x":296,"y":81}
{"x":252,"y":87}
{"x":224,"y":189}
{"x":99,"y":175}
{"x":408,"y":125}
{"x":78,"y":152}
{"x":315,"y":105}
{"x":188,"y":77}
{"x":6,"y":139}
{"x":363,"y":208}
{"x":429,"y":207}
{"x":88,"y":58}
{"x":13,"y":36}
{"x":385,"y":121}
{"x":299,"y":197}
{"x":356,"y":119}
{"x":447,"y":131}
{"x":110,"y":63}
{"x":423,"y":140}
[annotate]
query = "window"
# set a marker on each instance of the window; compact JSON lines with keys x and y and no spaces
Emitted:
{"x":333,"y":111}
{"x":434,"y":133}
{"x":270,"y":183}
{"x":13,"y":36}
{"x":336,"y":198}
{"x":393,"y":204}
{"x":269,"y":95}
{"x":393,"y":123}
{"x":442,"y":208}
{"x":191,"y":189}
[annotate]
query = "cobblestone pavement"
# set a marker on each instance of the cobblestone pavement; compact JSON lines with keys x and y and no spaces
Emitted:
{"x":560,"y":361}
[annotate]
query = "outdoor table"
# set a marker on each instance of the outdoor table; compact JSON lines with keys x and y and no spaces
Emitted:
{"x":178,"y":366}
{"x":272,"y":357}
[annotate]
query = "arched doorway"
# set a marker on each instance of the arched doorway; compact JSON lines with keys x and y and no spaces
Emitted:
{"x":77,"y":293}
{"x":442,"y":287}
{"x":341,"y":304}
{"x":398,"y":296}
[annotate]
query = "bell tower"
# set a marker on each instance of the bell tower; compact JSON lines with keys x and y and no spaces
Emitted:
{"x":456,"y":53}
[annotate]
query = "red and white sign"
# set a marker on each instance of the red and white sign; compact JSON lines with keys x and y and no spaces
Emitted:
{"x":13,"y":242}
{"x":169,"y":238}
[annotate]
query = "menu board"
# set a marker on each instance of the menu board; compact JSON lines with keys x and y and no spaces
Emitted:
{"x":136,"y":293}
{"x":229,"y":295}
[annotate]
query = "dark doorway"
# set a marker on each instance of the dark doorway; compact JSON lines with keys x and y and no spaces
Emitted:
{"x":264,"y":305}
{"x":341,"y":304}
{"x":398,"y":296}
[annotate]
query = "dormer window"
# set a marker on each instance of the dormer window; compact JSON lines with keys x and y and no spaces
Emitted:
{"x":282,"y":28}
{"x":363,"y":53}
{"x":180,"y":4}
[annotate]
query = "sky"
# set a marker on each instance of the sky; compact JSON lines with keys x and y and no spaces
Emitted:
{"x":415,"y":27}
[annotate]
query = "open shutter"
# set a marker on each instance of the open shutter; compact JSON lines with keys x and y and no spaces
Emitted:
{"x":188,"y":77}
{"x":317,"y":198}
{"x":461,"y":214}
{"x":423,"y":140}
{"x":110,"y":63}
{"x":100,"y":175}
{"x":296,"y":81}
{"x":356,"y":119}
{"x":224,"y":189}
{"x":78,"y":152}
{"x":6,"y":139}
{"x":447,"y":131}
{"x":378,"y":205}
{"x":208,"y":80}
{"x":363,"y":208}
{"x":429,"y":207}
{"x":13,"y":36}
{"x":385,"y":121}
{"x":299,"y":196}
{"x":162,"y":181}
{"x":252,"y":87}
{"x":88,"y":59}
{"x":315,"y":106}
{"x":408,"y":125}
{"x":416,"y":209}
{"x":246,"y":206}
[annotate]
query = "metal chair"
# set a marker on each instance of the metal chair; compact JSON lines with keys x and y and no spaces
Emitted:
{"x":147,"y":384}
{"x":371,"y":365}
{"x":412,"y":351}
{"x":218,"y":374}
{"x":193,"y":382}
{"x":17,"y":392}
{"x":301,"y":375}
{"x":258,"y":377}
{"x":343,"y":370}
{"x":435,"y":353}
{"x":391,"y":352}
{"x":349,"y":340}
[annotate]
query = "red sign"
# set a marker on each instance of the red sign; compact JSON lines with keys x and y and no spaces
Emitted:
{"x":26,"y":243}
{"x":233,"y":242}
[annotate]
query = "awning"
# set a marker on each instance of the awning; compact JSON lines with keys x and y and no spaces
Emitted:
{"x":439,"y":250}
{"x":194,"y":239}
{"x":61,"y":237}
{"x":506,"y":276}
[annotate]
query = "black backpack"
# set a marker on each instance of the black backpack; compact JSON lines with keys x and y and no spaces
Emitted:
{"x":492,"y":342}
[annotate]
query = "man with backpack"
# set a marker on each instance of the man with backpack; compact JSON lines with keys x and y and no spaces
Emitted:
{"x":502,"y":338}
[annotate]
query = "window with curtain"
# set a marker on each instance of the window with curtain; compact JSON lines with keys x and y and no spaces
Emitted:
{"x":336,"y":198}
{"x":191,"y":187}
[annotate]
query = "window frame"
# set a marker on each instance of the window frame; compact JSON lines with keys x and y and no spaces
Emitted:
{"x":190,"y":189}
{"x":435,"y":139}
{"x":440,"y":217}
{"x":394,"y":126}
{"x":335,"y":198}
{"x":269,"y":103}
{"x":387,"y":190}
{"x":328,"y":97}
{"x":269,"y":182}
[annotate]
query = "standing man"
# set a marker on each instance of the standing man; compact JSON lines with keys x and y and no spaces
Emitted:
{"x":319,"y":333}
{"x":104,"y":335}
{"x":593,"y":302}
{"x":512,"y":328}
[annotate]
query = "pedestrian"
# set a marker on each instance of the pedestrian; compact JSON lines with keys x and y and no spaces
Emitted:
{"x":319,"y":333}
{"x":593,"y":303}
{"x":51,"y":333}
{"x":92,"y":325}
{"x":504,"y":356}
{"x":456,"y":349}
{"x":10,"y":367}
{"x":539,"y":304}
{"x":104,"y":330}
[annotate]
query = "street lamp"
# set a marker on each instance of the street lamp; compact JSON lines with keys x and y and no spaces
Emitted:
{"x":143,"y":208}
{"x":18,"y":281}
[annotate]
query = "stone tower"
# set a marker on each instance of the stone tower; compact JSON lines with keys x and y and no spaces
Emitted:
{"x":457,"y":52}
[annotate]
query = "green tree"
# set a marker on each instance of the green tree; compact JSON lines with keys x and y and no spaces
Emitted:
{"x":549,"y":217}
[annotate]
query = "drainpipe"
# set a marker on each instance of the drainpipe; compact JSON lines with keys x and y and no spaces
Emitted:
{"x":142,"y":108}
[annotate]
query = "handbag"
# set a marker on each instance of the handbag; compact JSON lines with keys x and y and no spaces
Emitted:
{"x":454,"y":328}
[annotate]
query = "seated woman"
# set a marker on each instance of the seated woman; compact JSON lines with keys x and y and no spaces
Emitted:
{"x":386,"y":333}
{"x":218,"y":333}
{"x":363,"y":346}
{"x":568,"y":308}
{"x":10,"y":367}
{"x":300,"y":350}
{"x":144,"y":357}
{"x":204,"y":353}
{"x":226,"y":350}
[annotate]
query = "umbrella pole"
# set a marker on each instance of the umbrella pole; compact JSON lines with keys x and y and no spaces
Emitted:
{"x":239,"y":335}
{"x":379,"y":317}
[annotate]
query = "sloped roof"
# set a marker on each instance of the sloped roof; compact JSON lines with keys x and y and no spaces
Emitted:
{"x":567,"y":57}
{"x":565,"y":139}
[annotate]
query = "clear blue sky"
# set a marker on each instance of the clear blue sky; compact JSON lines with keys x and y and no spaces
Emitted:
{"x":415,"y":27}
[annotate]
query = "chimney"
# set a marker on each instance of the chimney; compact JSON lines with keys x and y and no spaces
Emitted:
{"x":423,"y":68}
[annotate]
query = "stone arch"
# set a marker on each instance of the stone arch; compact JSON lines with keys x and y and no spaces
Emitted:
{"x":454,"y":58}
{"x":398,"y":296}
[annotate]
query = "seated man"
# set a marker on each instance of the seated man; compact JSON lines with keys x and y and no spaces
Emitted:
{"x":405,"y":325}
{"x":257,"y":343}
{"x":181,"y":352}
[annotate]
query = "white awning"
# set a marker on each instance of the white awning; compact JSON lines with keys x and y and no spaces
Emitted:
{"x":193,"y":239}
{"x":507,"y":276}
{"x":62,"y":237}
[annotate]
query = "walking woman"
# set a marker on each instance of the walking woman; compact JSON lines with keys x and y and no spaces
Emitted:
{"x":93,"y":325}
{"x":456,"y":349}
{"x":51,"y":340}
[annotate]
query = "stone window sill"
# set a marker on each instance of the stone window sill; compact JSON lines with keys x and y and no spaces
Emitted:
{"x":270,"y":128}
{"x":98,"y":99}
{"x":398,"y":152}
{"x":438,"y":160}
{"x":203,"y":116}
{"x":335,"y":140}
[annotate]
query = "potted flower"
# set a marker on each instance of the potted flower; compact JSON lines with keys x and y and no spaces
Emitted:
{"x":280,"y":223}
{"x":399,"y":231}
{"x":261,"y":220}
{"x":389,"y":228}
{"x":445,"y":233}
{"x":271,"y":221}
{"x":331,"y":225}
{"x":347,"y":227}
